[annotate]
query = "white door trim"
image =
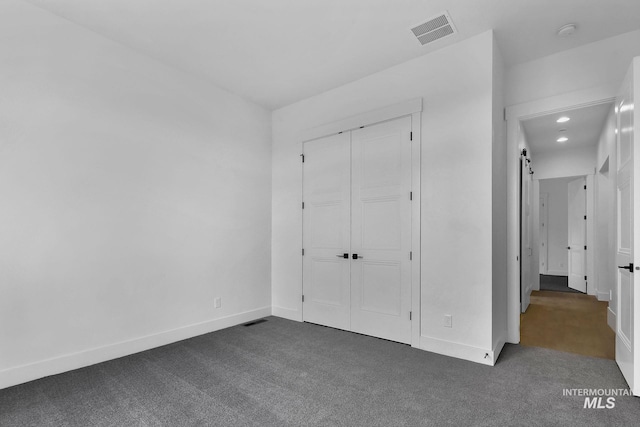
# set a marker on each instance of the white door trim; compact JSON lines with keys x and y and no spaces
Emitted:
{"x":592,"y":274}
{"x":405,"y":108}
{"x":515,"y":114}
{"x":413,"y":108}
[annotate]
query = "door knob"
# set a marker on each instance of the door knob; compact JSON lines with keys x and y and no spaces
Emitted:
{"x":355,"y":256}
{"x":627,"y":267}
{"x":345,"y":256}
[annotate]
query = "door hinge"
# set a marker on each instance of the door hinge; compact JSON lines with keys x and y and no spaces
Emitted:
{"x":302,"y":205}
{"x":410,"y":195}
{"x":585,"y":186}
{"x":585,"y":217}
{"x":504,"y":114}
{"x":410,"y":255}
{"x":410,"y":136}
{"x":302,"y":251}
{"x":302,"y":298}
{"x":585,"y":247}
{"x":585,"y":277}
{"x":302,"y":155}
{"x":410,"y":315}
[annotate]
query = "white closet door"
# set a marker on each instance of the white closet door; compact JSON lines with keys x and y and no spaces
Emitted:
{"x":326,"y":231}
{"x":381,"y":230}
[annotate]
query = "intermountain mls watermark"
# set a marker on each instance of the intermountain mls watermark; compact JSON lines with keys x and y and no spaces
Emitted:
{"x":598,"y":398}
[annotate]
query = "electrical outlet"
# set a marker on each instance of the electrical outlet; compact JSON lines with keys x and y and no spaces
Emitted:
{"x":448,"y":321}
{"x":217,"y":303}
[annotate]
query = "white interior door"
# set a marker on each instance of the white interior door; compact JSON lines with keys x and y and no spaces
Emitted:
{"x":381,"y":230}
{"x":628,"y":225}
{"x":577,"y":236}
{"x":525,"y":238}
{"x":326,"y":231}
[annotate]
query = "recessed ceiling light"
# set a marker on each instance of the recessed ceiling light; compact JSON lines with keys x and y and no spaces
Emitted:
{"x":566,"y":30}
{"x":562,"y":139}
{"x":563,"y":119}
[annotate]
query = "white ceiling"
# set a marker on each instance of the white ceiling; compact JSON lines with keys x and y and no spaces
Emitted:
{"x":583,"y":130}
{"x":275,"y":52}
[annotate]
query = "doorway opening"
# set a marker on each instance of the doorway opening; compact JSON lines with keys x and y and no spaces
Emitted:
{"x":616,"y":218}
{"x":564,"y":306}
{"x":563,"y":235}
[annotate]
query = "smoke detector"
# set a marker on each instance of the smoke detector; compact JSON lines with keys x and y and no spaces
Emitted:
{"x":434,"y":29}
{"x":566,"y":30}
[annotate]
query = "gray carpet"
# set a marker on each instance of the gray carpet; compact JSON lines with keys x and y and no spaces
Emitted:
{"x":556,"y":283}
{"x":284,"y":373}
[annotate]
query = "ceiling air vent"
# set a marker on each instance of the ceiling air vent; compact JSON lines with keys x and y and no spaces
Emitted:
{"x":434,"y":29}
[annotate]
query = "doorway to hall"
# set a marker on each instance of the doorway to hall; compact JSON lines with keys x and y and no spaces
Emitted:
{"x":562,"y":234}
{"x":563,"y":308}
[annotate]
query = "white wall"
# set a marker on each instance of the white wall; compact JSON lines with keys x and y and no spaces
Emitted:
{"x":132,"y":196}
{"x":557,"y":223}
{"x":563,"y":163}
{"x":605,"y":211}
{"x":602,"y":63}
{"x":499,"y":225}
{"x":456,"y":86}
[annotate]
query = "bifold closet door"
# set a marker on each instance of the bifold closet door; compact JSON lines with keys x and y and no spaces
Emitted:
{"x":326,"y":233}
{"x":381,"y":230}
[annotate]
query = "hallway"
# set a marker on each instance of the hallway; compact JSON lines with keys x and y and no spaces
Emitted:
{"x":571,"y":322}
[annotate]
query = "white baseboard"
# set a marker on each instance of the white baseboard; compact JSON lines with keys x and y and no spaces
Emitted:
{"x":611,"y":319}
{"x":457,"y":350}
{"x":68,"y":362}
{"x":557,"y":273}
{"x":497,"y":349}
{"x":526,"y":299}
{"x":603,"y":296}
{"x":286,"y":313}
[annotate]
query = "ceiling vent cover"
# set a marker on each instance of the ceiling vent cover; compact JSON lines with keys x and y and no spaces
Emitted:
{"x":434,"y":29}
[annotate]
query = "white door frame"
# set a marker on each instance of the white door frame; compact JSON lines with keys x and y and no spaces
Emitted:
{"x":515,"y":114}
{"x":412,"y":108}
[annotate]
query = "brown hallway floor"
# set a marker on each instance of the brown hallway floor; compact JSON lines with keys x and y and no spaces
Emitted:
{"x":575,"y":323}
